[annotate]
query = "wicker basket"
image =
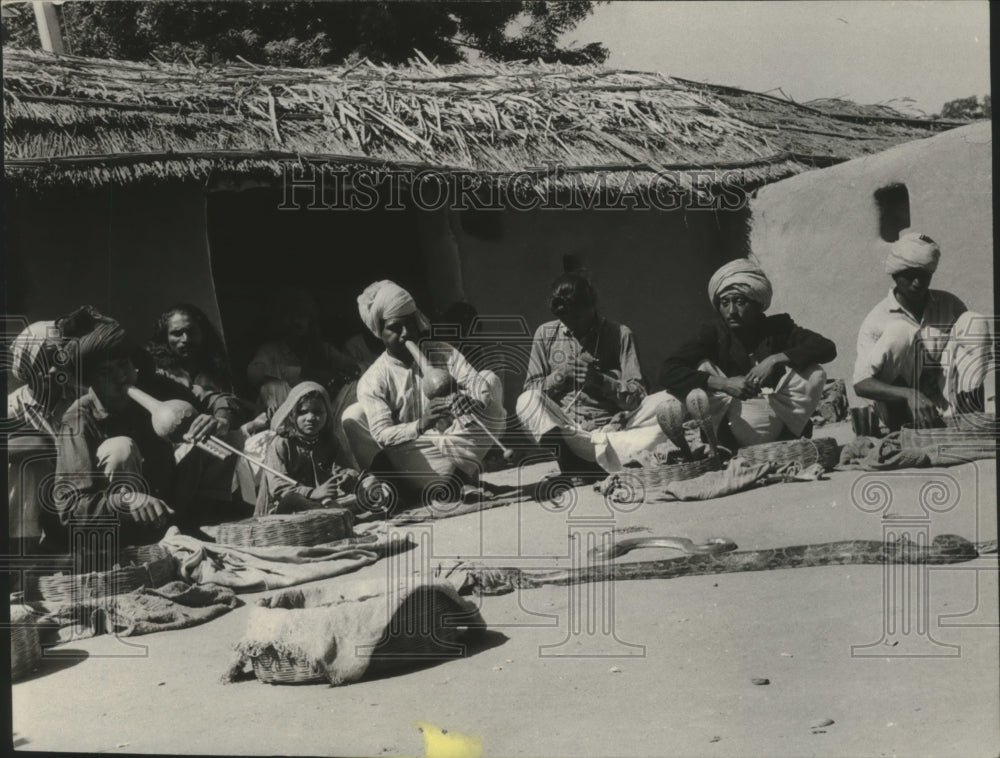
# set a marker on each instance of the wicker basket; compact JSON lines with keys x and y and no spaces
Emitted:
{"x":271,"y":667}
{"x":427,"y":626}
{"x":300,"y":529}
{"x":822,"y":450}
{"x":652,"y":477}
{"x":136,"y":555}
{"x":25,"y":648}
{"x":963,"y":432}
{"x":73,"y":588}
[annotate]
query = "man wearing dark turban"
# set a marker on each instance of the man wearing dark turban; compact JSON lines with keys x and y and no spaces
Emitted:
{"x":921,"y":353}
{"x":761,"y":373}
{"x":42,"y":361}
{"x":110,"y":462}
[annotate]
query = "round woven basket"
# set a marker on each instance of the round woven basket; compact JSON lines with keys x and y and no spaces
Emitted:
{"x":73,"y":588}
{"x":964,"y":432}
{"x":271,"y":667}
{"x":138,"y":554}
{"x":300,"y":529}
{"x":823,"y":450}
{"x":25,"y":649}
{"x":659,"y":476}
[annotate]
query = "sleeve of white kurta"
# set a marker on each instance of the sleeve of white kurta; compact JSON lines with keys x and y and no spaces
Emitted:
{"x":373,"y":395}
{"x":875,"y":354}
{"x":470,"y":381}
{"x":865,"y":364}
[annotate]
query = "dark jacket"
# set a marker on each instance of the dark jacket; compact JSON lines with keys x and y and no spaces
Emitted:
{"x":82,"y":487}
{"x":717,"y":343}
{"x":309,"y":465}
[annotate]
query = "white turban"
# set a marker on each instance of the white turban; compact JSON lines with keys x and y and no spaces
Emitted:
{"x":385,"y":300}
{"x":746,"y":278}
{"x":913,"y":250}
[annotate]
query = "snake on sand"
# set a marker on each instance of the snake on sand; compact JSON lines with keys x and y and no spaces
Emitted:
{"x":616,"y":549}
{"x":720,"y":557}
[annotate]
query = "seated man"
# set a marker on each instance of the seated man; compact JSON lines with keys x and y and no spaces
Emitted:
{"x":32,"y":413}
{"x":297,"y":352}
{"x":394,"y":429}
{"x":109,"y":460}
{"x":186,"y":348}
{"x":760,"y":372}
{"x":584,"y":393}
{"x":921,"y":352}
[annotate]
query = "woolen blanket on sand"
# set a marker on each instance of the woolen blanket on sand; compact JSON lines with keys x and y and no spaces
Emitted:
{"x":175,"y":605}
{"x":252,"y":569}
{"x":340,"y":627}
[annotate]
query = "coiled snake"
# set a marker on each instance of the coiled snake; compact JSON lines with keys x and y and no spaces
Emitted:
{"x":720,"y":557}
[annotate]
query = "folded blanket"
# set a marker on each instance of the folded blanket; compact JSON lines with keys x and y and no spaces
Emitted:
{"x":735,"y":477}
{"x":341,"y":628}
{"x":888,"y":453}
{"x":251,"y":569}
{"x":833,"y":406}
{"x":738,"y":476}
{"x":175,"y":605}
{"x":856,"y":451}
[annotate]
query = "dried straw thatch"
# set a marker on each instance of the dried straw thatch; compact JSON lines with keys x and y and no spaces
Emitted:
{"x":86,"y":122}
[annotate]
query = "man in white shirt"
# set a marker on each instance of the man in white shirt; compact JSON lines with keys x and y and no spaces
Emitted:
{"x":396,"y":431}
{"x":921,"y":353}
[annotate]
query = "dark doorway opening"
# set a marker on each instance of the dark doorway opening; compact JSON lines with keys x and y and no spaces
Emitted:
{"x":332,"y":254}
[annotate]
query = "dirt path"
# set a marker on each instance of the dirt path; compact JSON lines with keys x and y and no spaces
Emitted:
{"x":674,"y":678}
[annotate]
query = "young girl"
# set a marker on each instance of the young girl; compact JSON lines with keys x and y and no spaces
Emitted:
{"x":304,"y":450}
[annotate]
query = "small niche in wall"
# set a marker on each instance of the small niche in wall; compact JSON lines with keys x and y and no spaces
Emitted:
{"x":893,"y":205}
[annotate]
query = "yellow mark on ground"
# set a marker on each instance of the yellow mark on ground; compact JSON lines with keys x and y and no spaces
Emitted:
{"x":442,"y":743}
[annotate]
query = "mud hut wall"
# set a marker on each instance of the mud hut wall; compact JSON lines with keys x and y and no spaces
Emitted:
{"x":818,"y":236}
{"x":650,"y":269}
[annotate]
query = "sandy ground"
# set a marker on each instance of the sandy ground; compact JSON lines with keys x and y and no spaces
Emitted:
{"x":672,"y":675}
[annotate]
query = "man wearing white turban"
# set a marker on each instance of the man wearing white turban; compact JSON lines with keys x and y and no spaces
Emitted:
{"x":761,"y":373}
{"x":921,"y":353}
{"x":398,"y":433}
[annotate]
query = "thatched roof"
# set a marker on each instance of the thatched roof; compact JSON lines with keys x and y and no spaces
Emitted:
{"x":83,"y":121}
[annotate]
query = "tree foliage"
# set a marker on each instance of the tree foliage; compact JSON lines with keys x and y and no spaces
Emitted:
{"x":968,"y":108}
{"x":317,"y":33}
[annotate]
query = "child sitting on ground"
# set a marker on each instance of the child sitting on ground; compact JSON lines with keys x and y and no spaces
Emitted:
{"x":304,"y":449}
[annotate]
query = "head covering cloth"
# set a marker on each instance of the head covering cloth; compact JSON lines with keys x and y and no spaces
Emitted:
{"x":913,"y":250}
{"x":385,"y":300}
{"x":283,"y":420}
{"x":92,"y":337}
{"x":744,"y":277}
